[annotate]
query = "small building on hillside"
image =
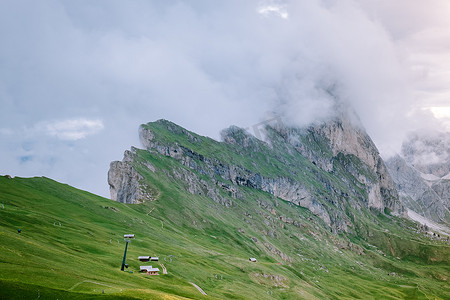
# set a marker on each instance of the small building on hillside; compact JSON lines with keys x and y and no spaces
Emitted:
{"x":149,"y":270}
{"x":154,"y":258}
{"x":144,"y":258}
{"x":252,"y":259}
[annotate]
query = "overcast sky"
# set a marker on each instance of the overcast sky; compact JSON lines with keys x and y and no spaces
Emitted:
{"x":77,"y":78}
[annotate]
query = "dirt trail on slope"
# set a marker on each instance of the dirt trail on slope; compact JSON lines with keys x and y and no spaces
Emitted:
{"x":198,"y":288}
{"x":163,"y":268}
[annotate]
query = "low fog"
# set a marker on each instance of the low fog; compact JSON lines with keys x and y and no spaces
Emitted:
{"x":77,"y":78}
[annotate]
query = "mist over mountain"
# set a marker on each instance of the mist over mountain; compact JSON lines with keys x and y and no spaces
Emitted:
{"x":422,"y":174}
{"x":428,"y":152}
{"x":78,"y":77}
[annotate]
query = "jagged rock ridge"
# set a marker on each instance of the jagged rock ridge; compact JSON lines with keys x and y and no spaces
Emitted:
{"x":327,"y":168}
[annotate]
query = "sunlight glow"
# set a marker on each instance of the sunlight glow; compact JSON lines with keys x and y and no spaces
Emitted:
{"x":441,"y":112}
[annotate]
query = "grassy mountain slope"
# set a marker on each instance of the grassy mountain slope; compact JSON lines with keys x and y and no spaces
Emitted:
{"x":205,"y":225}
{"x":202,"y":242}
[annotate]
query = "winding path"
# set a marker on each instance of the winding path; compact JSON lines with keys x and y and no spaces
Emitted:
{"x":164,"y":268}
{"x":198,"y":288}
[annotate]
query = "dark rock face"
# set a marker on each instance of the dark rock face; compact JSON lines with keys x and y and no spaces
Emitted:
{"x":323,"y":168}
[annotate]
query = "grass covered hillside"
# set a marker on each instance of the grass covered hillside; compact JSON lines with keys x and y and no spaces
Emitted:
{"x":317,"y":220}
{"x":71,"y":247}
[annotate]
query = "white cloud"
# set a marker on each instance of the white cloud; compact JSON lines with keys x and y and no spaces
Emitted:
{"x":72,"y":129}
{"x":442,"y":114}
{"x":420,"y":34}
{"x":273,"y":9}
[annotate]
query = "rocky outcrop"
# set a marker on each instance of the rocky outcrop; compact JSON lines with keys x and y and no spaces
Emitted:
{"x":125,"y":183}
{"x":414,"y":191}
{"x":270,"y":280}
{"x":276,"y":251}
{"x":197,"y":186}
{"x":321,"y":144}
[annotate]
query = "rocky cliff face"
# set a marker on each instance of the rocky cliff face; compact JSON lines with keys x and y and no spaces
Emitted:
{"x":415,"y":192}
{"x":125,"y":183}
{"x":340,"y":136}
{"x":328,"y":168}
{"x":421,"y":173}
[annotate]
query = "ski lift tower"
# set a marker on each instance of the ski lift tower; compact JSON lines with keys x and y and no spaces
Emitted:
{"x":127,"y":238}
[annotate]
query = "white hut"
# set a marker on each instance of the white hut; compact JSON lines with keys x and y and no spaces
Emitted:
{"x":252,"y":259}
{"x":154,"y":258}
{"x":150,"y":270}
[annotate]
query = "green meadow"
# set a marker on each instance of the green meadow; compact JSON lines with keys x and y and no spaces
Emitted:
{"x":71,"y":247}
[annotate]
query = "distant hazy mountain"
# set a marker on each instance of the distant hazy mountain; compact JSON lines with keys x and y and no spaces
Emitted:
{"x":429,"y":153}
{"x":422,"y":174}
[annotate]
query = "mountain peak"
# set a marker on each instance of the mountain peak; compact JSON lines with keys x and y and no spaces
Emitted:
{"x":322,"y":143}
{"x":324,"y":167}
